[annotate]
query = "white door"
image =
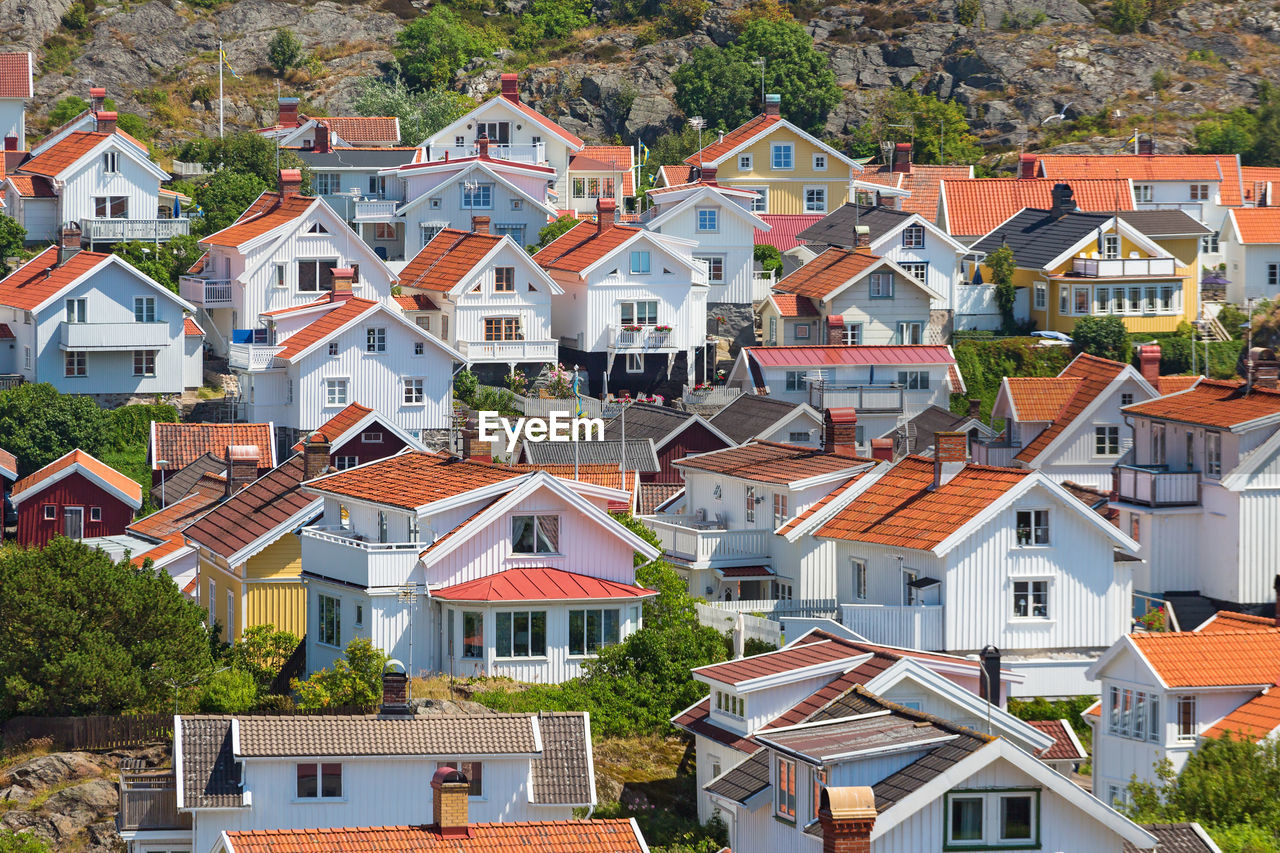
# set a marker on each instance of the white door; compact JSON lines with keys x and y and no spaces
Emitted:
{"x":73,"y":522}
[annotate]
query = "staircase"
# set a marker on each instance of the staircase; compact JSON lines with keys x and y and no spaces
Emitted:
{"x":1213,"y":330}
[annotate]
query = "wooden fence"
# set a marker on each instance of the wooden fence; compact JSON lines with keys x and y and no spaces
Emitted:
{"x":103,"y":732}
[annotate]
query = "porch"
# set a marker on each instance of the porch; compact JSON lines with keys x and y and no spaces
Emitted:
{"x":707,"y":544}
{"x":633,"y":338}
{"x":251,"y":356}
{"x":209,"y":292}
{"x":1122,"y":267}
{"x":149,"y":801}
{"x":338,"y":554}
{"x":113,"y":337}
{"x":119,"y":230}
{"x":510,"y":351}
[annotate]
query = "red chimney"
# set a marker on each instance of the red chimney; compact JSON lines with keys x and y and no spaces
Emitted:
{"x":242,"y":466}
{"x":708,"y":174}
{"x":288,"y":116}
{"x":882,"y":448}
{"x":511,"y":87}
{"x":901,"y":157}
{"x":342,"y":278}
{"x":606,"y":209}
{"x":840,"y":431}
{"x":482,"y":144}
{"x":322,"y":138}
{"x":480,"y":224}
{"x":11,"y":143}
{"x":97,"y":98}
{"x":315,"y":456}
{"x":861,"y":237}
{"x":1147,"y":145}
{"x":290,"y":182}
{"x":1149,"y":364}
{"x":1026,"y":166}
{"x":847,"y":816}
{"x":106,"y":122}
{"x":69,"y":244}
{"x":950,"y":452}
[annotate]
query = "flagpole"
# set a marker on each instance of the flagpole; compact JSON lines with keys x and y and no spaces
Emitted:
{"x":220,"y":61}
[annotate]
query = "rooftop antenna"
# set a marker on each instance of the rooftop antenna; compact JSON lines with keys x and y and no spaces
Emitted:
{"x":699,"y":122}
{"x":760,"y":60}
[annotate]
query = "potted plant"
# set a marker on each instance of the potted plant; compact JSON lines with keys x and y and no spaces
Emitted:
{"x":1154,"y":620}
{"x":662,"y":328}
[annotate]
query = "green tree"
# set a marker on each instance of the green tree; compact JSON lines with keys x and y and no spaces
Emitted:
{"x":66,"y":109}
{"x":262,"y":652}
{"x":1235,"y":132}
{"x":421,"y":111}
{"x":223,"y":196}
{"x":434,"y":46}
{"x":545,"y":21}
{"x":228,"y":691}
{"x":1265,"y":150}
{"x":1128,"y":15}
{"x":1104,"y":337}
{"x":465,"y":386}
{"x":163,"y":262}
{"x":39,"y":425}
{"x":769,"y":258}
{"x":247,"y":152}
{"x":968,"y":12}
{"x":284,"y":51}
{"x":12,"y":237}
{"x":940,"y":131}
{"x":681,"y":17}
{"x":719,"y":86}
{"x":355,"y":680}
{"x":549,"y":232}
{"x":80,"y":634}
{"x":21,"y":842}
{"x":1002,"y":266}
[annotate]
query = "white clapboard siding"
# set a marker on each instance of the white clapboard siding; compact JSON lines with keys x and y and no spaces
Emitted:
{"x":133,"y":180}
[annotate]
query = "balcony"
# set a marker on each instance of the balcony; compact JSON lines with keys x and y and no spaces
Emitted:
{"x":117,"y":337}
{"x":719,"y":395}
{"x":997,"y":453}
{"x":149,"y":801}
{"x":1192,"y":208}
{"x":641,"y":338}
{"x":251,"y":356}
{"x":510,"y":351}
{"x":708,"y":544}
{"x":1123,"y":267}
{"x":529,"y":152}
{"x":209,"y":292}
{"x":864,"y":398}
{"x":914,"y":626}
{"x":119,"y":230}
{"x":762,"y":282}
{"x":375,"y":210}
{"x":1155,"y":485}
{"x":340,"y":554}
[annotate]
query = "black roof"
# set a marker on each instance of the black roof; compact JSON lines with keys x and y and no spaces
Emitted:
{"x":1037,"y":237}
{"x":641,"y":456}
{"x":749,"y":415}
{"x":742,"y":782}
{"x":210,"y":773}
{"x":356,"y":158}
{"x":646,"y":420}
{"x":1165,"y":223}
{"x":836,"y":228}
{"x":1176,"y":838}
{"x":178,"y":485}
{"x":916,"y":435}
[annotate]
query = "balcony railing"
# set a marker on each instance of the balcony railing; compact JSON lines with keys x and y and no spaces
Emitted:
{"x":1156,"y":486}
{"x":338,"y":553}
{"x":375,"y":210}
{"x":864,"y":398}
{"x":251,"y":356}
{"x":996,"y":453}
{"x":1127,"y":267}
{"x":709,"y":546}
{"x":510,"y":350}
{"x":118,"y":230}
{"x":642,"y":338}
{"x":762,"y":282}
{"x":209,"y":292}
{"x":150,"y":801}
{"x":1193,"y":208}
{"x":9,"y":381}
{"x":528,"y":152}
{"x":720,"y":395}
{"x":914,"y":626}
{"x":114,"y":336}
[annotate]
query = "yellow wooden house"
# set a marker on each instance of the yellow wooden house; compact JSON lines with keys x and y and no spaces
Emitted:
{"x":1074,"y":264}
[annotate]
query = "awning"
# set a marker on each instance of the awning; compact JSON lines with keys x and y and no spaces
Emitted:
{"x":745,"y":573}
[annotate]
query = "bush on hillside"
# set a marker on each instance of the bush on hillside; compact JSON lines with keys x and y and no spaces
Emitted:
{"x":983,"y":363}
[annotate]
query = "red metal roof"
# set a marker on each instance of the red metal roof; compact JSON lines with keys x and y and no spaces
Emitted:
{"x":88,"y":464}
{"x":1213,"y":403}
{"x":28,"y":287}
{"x":616,"y":835}
{"x":539,"y":584}
{"x":977,"y":206}
{"x":15,"y":75}
{"x":778,"y":662}
{"x":828,"y":356}
{"x":784,"y":230}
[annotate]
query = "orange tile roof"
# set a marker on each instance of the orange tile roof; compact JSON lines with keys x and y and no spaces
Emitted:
{"x":174,"y":542}
{"x":832,"y":269}
{"x":899,"y":510}
{"x":164,"y":523}
{"x":583,"y":245}
{"x":1212,"y":403}
{"x":976,"y":206}
{"x":550,"y":125}
{"x":1094,"y":375}
{"x":334,"y":428}
{"x":15,"y":75}
{"x":182,"y":443}
{"x":620,"y":158}
{"x":924,"y":182}
{"x":1041,"y":398}
{"x":1254,"y":175}
{"x":1255,"y":719}
{"x":1225,"y":620}
{"x":673,"y":176}
{"x":53,"y":160}
{"x":816,"y":507}
{"x":363,"y":128}
{"x":268,"y":212}
{"x":1212,"y":659}
{"x":1174,"y":384}
{"x":1150,"y":167}
{"x":191,"y":328}
{"x":411,"y":480}
{"x":27,"y":287}
{"x":595,"y":474}
{"x":771,"y":462}
{"x":328,"y":323}
{"x":567,"y":836}
{"x":790,"y":305}
{"x":731,"y":140}
{"x":450,"y":257}
{"x":1065,"y":745}
{"x":32,"y":186}
{"x":415,"y":302}
{"x":1257,"y":224}
{"x":88,"y":463}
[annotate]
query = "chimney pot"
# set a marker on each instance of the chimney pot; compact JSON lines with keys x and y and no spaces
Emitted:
{"x":772,"y":105}
{"x":840,"y":431}
{"x":482,"y":145}
{"x":989,"y":687}
{"x":511,"y":87}
{"x":975,"y":407}
{"x":606,"y":209}
{"x":480,"y":224}
{"x":901,"y":157}
{"x":708,"y":175}
{"x":342,"y":281}
{"x":847,"y":816}
{"x":69,"y":243}
{"x":1026,"y":166}
{"x":882,"y":449}
{"x":1147,"y":146}
{"x":97,"y":98}
{"x":11,"y":143}
{"x":950,"y":452}
{"x":861,"y":237}
{"x":105,"y":121}
{"x":322,"y":144}
{"x":315,"y":456}
{"x":242,"y":466}
{"x":290,"y":182}
{"x":288,"y":115}
{"x":450,"y":789}
{"x":1064,"y":201}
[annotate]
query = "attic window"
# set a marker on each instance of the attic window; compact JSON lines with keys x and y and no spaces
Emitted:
{"x":317,"y":228}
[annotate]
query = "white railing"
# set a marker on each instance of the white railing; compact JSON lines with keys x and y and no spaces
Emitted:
{"x":115,"y":230}
{"x":916,"y":626}
{"x":864,"y":398}
{"x":1108,"y":267}
{"x":1000,"y":455}
{"x":709,"y":546}
{"x":762,"y":283}
{"x":341,"y":554}
{"x":509,"y":350}
{"x":1194,"y":208}
{"x":800,"y":608}
{"x":753,"y":627}
{"x":209,"y":292}
{"x":375,"y":210}
{"x":720,"y":395}
{"x":114,"y":336}
{"x":527,"y":152}
{"x":642,"y":338}
{"x":1156,"y":486}
{"x":252,"y":356}
{"x":540,"y":407}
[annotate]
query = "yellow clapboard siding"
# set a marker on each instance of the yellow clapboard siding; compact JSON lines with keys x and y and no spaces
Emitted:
{"x":283,"y":605}
{"x":786,"y":186}
{"x":280,"y":559}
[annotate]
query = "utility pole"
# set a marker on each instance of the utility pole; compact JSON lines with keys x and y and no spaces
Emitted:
{"x":221,"y":60}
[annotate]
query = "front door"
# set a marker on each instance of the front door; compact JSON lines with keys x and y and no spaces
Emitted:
{"x":73,"y":522}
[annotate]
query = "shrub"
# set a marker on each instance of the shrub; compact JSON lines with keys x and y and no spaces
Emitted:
{"x":1022,"y":19}
{"x":1104,"y":337}
{"x":983,"y":363}
{"x":434,"y":46}
{"x":681,"y":17}
{"x":1128,"y":15}
{"x":262,"y":652}
{"x":229,"y":691}
{"x":12,"y":237}
{"x":421,"y":112}
{"x":355,"y":680}
{"x":284,"y":51}
{"x":465,"y":385}
{"x":769,"y":257}
{"x":1160,"y":80}
{"x":549,"y":232}
{"x":76,"y":17}
{"x":67,"y":109}
{"x":968,"y":12}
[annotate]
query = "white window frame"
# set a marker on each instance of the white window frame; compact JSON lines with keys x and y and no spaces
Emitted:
{"x":111,"y":162}
{"x":375,"y":340}
{"x":1037,"y":519}
{"x":1213,"y":454}
{"x":1142,"y":193}
{"x":781,"y":504}
{"x":852,"y":334}
{"x":144,"y":309}
{"x":1187,"y":718}
{"x":859,"y":568}
{"x":319,"y":796}
{"x":913,"y":237}
{"x":990,"y":808}
{"x":708,"y":220}
{"x":635,"y":362}
{"x":77,"y":310}
{"x":605,"y":638}
{"x":1031,"y":588}
{"x":1042,"y":296}
{"x":911,"y":333}
{"x":803,"y":331}
{"x":815,"y":199}
{"x":1273,"y":275}
{"x":1106,"y":440}
{"x":760,"y":204}
{"x":819,"y":161}
{"x":919,"y":270}
{"x":414,"y":391}
{"x":333,"y":385}
{"x":788,"y":152}
{"x":785,"y":801}
{"x":329,"y":620}
{"x":144,"y":362}
{"x":1110,"y":246}
{"x":712,"y":261}
{"x":640,"y":262}
{"x":477,"y":197}
{"x":880,"y":285}
{"x":1198,"y":192}
{"x":745,"y":162}
{"x":510,"y":616}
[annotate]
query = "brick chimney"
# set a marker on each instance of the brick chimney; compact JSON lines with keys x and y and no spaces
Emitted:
{"x":1064,"y":201}
{"x":395,"y":690}
{"x":882,"y":449}
{"x":11,"y":143}
{"x":105,"y":121}
{"x":708,"y":175}
{"x":975,"y":407}
{"x":511,"y":87}
{"x":288,"y":116}
{"x":290,"y":182}
{"x":1149,"y":363}
{"x":606,"y":210}
{"x":861,"y":237}
{"x":242,"y":466}
{"x":97,"y":99}
{"x":315,"y":456}
{"x":1026,"y":166}
{"x":772,"y":105}
{"x":847,"y":816}
{"x":69,"y":242}
{"x":835,"y":330}
{"x":480,"y":224}
{"x":482,"y":145}
{"x":840,"y":431}
{"x":449,"y":791}
{"x":1146,"y":145}
{"x":342,"y":279}
{"x":472,"y":447}
{"x":322,"y":145}
{"x":989,"y":687}
{"x":901,"y":157}
{"x":950,"y":452}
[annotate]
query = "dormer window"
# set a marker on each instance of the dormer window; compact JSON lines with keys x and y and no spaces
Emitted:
{"x":1111,"y":246}
{"x":731,"y":705}
{"x":913,"y":237}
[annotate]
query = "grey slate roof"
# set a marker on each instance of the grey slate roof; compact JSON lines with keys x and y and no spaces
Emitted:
{"x":304,"y":735}
{"x":744,"y":781}
{"x":836,"y":228}
{"x":1177,"y":838}
{"x":1036,"y":237}
{"x":361,"y":158}
{"x":646,"y":420}
{"x":1165,"y":223}
{"x":641,"y":455}
{"x":210,"y":773}
{"x":918,"y":437}
{"x":751,"y":414}
{"x":563,"y":775}
{"x":178,"y":484}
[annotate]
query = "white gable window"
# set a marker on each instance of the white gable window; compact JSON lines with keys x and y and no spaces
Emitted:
{"x":819,"y":162}
{"x":744,"y":162}
{"x":315,"y":275}
{"x":144,"y":309}
{"x":1111,"y":245}
{"x":987,"y":818}
{"x":815,"y":199}
{"x":335,"y":392}
{"x":783,"y":155}
{"x":477,"y":196}
{"x":1134,"y":714}
{"x":375,"y":339}
{"x":111,"y":162}
{"x":319,"y":781}
{"x":1031,"y":599}
{"x":1032,"y":526}
{"x":913,"y":237}
{"x":1106,"y":440}
{"x":708,"y":219}
{"x":77,"y":310}
{"x":111,"y":207}
{"x":880,"y":285}
{"x":535,"y":534}
{"x":318,"y":228}
{"x":640,"y":263}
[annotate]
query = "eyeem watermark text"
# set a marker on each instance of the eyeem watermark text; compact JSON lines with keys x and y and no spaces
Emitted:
{"x":561,"y":426}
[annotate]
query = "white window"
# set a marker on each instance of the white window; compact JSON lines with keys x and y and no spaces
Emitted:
{"x":78,"y":310}
{"x":73,"y":364}
{"x":1142,"y":193}
{"x":333,"y":348}
{"x":111,"y":207}
{"x":914,"y":380}
{"x":917,"y":270}
{"x":779,"y":509}
{"x":95,"y":513}
{"x":1209,"y":243}
{"x":913,"y":237}
{"x":880,"y":285}
{"x":413,"y":392}
{"x":749,"y":509}
{"x":759,"y":204}
{"x":1083,"y":299}
{"x":342,"y":463}
{"x":535,"y":534}
{"x":1064,"y":298}
{"x":642,"y":313}
{"x":593,"y":629}
{"x":730,"y":705}
{"x":477,"y":196}
{"x":744,"y":162}
{"x":335,"y":392}
{"x":144,"y":309}
{"x":785,"y":785}
{"x":1032,"y":526}
{"x":50,"y":512}
{"x":319,"y":781}
{"x":815,"y":199}
{"x":708,"y":219}
{"x":797,"y":437}
{"x":26,"y":357}
{"x":819,"y":162}
{"x":144,"y":362}
{"x":111,"y":162}
{"x":1133,"y":714}
{"x":315,"y":275}
{"x":1106,"y":440}
{"x":1157,"y":444}
{"x":521,"y":634}
{"x":1273,"y":274}
{"x":987,"y":818}
{"x":859,"y":579}
{"x":472,"y":634}
{"x":1212,"y":454}
{"x":281,"y":273}
{"x":1031,"y":599}
{"x":375,"y":339}
{"x":1186,"y":718}
{"x":635,"y":362}
{"x":1042,"y":295}
{"x":326,"y":183}
{"x":715,"y":267}
{"x":795,"y":380}
{"x":640,"y":263}
{"x":1199,"y":192}
{"x":1111,"y":246}
{"x":419,"y":348}
{"x":911,"y":334}
{"x":783,"y":155}
{"x":329,"y":626}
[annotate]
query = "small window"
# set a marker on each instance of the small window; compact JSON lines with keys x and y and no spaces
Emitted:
{"x":783,"y":155}
{"x":1015,"y":818}
{"x":914,"y":380}
{"x":911,"y":334}
{"x":419,"y":348}
{"x":319,"y":781}
{"x":1042,"y":295}
{"x":433,"y":203}
{"x":472,"y":635}
{"x":280,"y":275}
{"x":342,"y":463}
{"x":913,"y":237}
{"x":965,"y":822}
{"x":144,"y":362}
{"x":371,"y":437}
{"x":744,"y":162}
{"x":333,"y":348}
{"x":1199,"y":192}
{"x":1209,"y":243}
{"x":750,"y":507}
{"x":111,"y":163}
{"x":1142,"y":193}
{"x":852,"y":335}
{"x":779,"y":509}
{"x":335,"y":392}
{"x":880,"y":285}
{"x":78,"y":310}
{"x":74,"y":364}
{"x":708,"y":219}
{"x":802,"y":331}
{"x":517,"y":204}
{"x":329,"y":627}
{"x":635,"y":363}
{"x":797,"y":437}
{"x":715,"y":267}
{"x":819,"y":162}
{"x":795,"y":380}
{"x":50,"y":512}
{"x":413,"y":392}
{"x":592,"y":630}
{"x":359,"y":621}
{"x":376,"y":339}
{"x":535,"y":534}
{"x":640,"y":263}
{"x":785,"y":785}
{"x":1111,"y":246}
{"x":472,"y":770}
{"x":521,"y":634}
{"x":318,"y":228}
{"x":1126,"y":399}
{"x":1186,"y":718}
{"x":1106,"y":441}
{"x":1031,"y":599}
{"x":859,"y":578}
{"x":504,"y":279}
{"x":1212,"y":454}
{"x":144,"y":309}
{"x":1033,"y":527}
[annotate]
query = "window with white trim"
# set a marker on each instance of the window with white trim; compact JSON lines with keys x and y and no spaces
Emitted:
{"x":535,"y":534}
{"x":77,"y":310}
{"x":1209,"y":243}
{"x":326,"y":183}
{"x":782,"y":156}
{"x":859,"y":578}
{"x":111,"y":207}
{"x":640,"y":263}
{"x":111,"y":162}
{"x":708,"y":219}
{"x":74,"y":364}
{"x":819,"y":162}
{"x":852,"y":335}
{"x":413,"y":392}
{"x":144,"y":309}
{"x":473,"y":770}
{"x":1142,"y":193}
{"x":1212,"y":454}
{"x":795,"y":380}
{"x":1031,"y":599}
{"x":1126,"y":399}
{"x":730,"y":705}
{"x":992,"y":819}
{"x":815,"y":199}
{"x":913,"y":237}
{"x":1111,"y":245}
{"x":749,"y":510}
{"x":785,"y":785}
{"x":715,"y":267}
{"x":521,"y":634}
{"x":1133,"y":714}
{"x":329,"y":624}
{"x":640,"y":313}
{"x":759,"y":204}
{"x":635,"y":362}
{"x":477,"y":197}
{"x":802,"y":331}
{"x":342,"y":463}
{"x":1187,"y":727}
{"x":1199,"y":192}
{"x":1157,"y":444}
{"x":744,"y":162}
{"x":144,"y":362}
{"x":914,"y":380}
{"x":910,"y":333}
{"x":880,"y":285}
{"x":1042,"y":295}
{"x":779,"y":509}
{"x":473,"y":635}
{"x":319,"y":781}
{"x":1273,"y":275}
{"x":918,"y":270}
{"x":335,"y":392}
{"x":1032,"y":526}
{"x":375,"y":339}
{"x":592,"y":629}
{"x":95,"y":513}
{"x":797,"y":437}
{"x":1106,"y":440}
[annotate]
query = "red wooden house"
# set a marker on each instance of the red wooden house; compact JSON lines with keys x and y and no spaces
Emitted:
{"x":358,"y":434}
{"x":76,"y":496}
{"x":676,"y":434}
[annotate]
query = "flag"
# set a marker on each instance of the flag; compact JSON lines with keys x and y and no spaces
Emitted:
{"x":579,"y":411}
{"x":225,"y":62}
{"x":1132,"y":140}
{"x":644,"y":155}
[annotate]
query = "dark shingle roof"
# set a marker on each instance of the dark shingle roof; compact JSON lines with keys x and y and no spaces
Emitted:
{"x":488,"y":734}
{"x":645,"y":420}
{"x":750,"y":415}
{"x":562,"y":776}
{"x":1036,"y":237}
{"x":1165,"y":223}
{"x":836,"y":229}
{"x":254,"y":511}
{"x":916,"y":436}
{"x":210,"y":773}
{"x":742,"y":782}
{"x":641,"y":455}
{"x":355,"y":157}
{"x":1177,"y":838}
{"x":178,"y":484}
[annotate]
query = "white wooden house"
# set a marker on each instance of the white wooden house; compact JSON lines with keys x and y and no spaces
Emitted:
{"x":89,"y":323}
{"x":482,"y":294}
{"x":1198,"y":491}
{"x":295,"y":129}
{"x":280,"y":254}
{"x":16,"y":75}
{"x":466,"y":567}
{"x":633,"y":313}
{"x":1250,"y":246}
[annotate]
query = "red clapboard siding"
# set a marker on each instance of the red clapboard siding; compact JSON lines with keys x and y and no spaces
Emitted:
{"x":73,"y":490}
{"x":694,"y":438}
{"x":369,"y":451}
